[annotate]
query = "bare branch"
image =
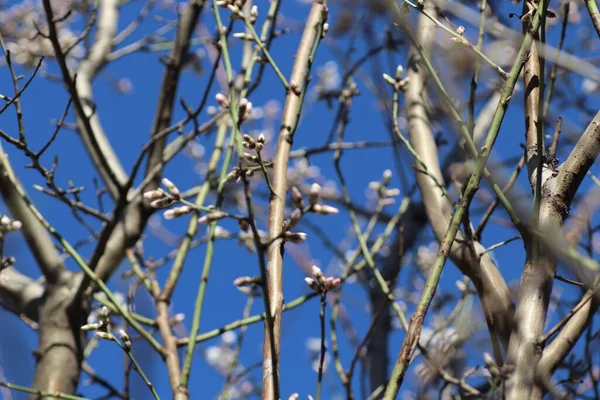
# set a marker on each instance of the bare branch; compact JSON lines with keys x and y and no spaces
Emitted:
{"x":293,"y":103}
{"x":80,"y":87}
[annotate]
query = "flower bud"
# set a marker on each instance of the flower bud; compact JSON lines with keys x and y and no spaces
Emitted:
{"x":315,"y":194}
{"x":399,"y":74}
{"x":15,"y":225}
{"x":162,"y":203}
{"x":170,"y":187}
{"x":212,"y":217}
{"x":312,"y":284}
{"x":324,"y":209}
{"x":389,"y":80}
{"x":295,"y":217}
{"x":295,"y":237}
{"x":177,"y":212}
{"x":154,"y":194}
{"x":297,"y":198}
{"x":222,"y":100}
{"x":244,"y":109}
{"x":316,"y":272}
{"x":90,"y":327}
{"x":104,"y":335}
{"x":244,"y":281}
{"x":125,"y":339}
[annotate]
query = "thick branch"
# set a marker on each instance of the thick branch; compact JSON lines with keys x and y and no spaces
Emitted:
{"x":537,"y":278}
{"x":20,"y":294}
{"x":291,"y":112}
{"x":492,"y":288}
{"x":60,"y":349}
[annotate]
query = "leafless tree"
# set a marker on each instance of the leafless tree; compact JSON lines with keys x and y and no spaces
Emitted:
{"x":464,"y":96}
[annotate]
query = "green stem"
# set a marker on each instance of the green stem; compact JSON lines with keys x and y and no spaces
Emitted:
{"x":594,"y":15}
{"x":138,"y":368}
{"x":263,"y":48}
{"x":41,"y":394}
{"x":192,"y":228}
{"x":187,"y":365}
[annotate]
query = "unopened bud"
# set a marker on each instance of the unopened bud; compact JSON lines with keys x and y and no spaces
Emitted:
{"x":324,"y":209}
{"x":162,"y":203}
{"x":295,"y":217}
{"x":154,"y":194}
{"x":125,"y":339}
{"x":244,"y":281}
{"x":170,"y":187}
{"x":90,"y":327}
{"x":316,"y":272}
{"x":391,"y":193}
{"x":15,"y":225}
{"x":251,"y":157}
{"x":104,"y":335}
{"x":295,"y":88}
{"x":297,"y":197}
{"x":177,"y":212}
{"x":312,"y":284}
{"x":212,"y":217}
{"x":399,"y":74}
{"x":241,"y":35}
{"x":389,"y":80}
{"x":295,"y":237}
{"x":332,"y":283}
{"x":222,"y":100}
{"x":387,"y":176}
{"x":315,"y":194}
{"x":245,"y":108}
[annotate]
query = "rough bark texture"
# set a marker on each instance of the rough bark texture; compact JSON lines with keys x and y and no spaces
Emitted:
{"x":535,"y":287}
{"x":61,"y":341}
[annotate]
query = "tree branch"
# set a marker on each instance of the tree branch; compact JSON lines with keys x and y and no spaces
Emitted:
{"x":537,"y":278}
{"x":21,"y":294}
{"x":293,"y":103}
{"x":80,"y":88}
{"x":491,"y":286}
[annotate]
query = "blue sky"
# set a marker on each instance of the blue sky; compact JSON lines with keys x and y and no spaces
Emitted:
{"x":127,"y":120}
